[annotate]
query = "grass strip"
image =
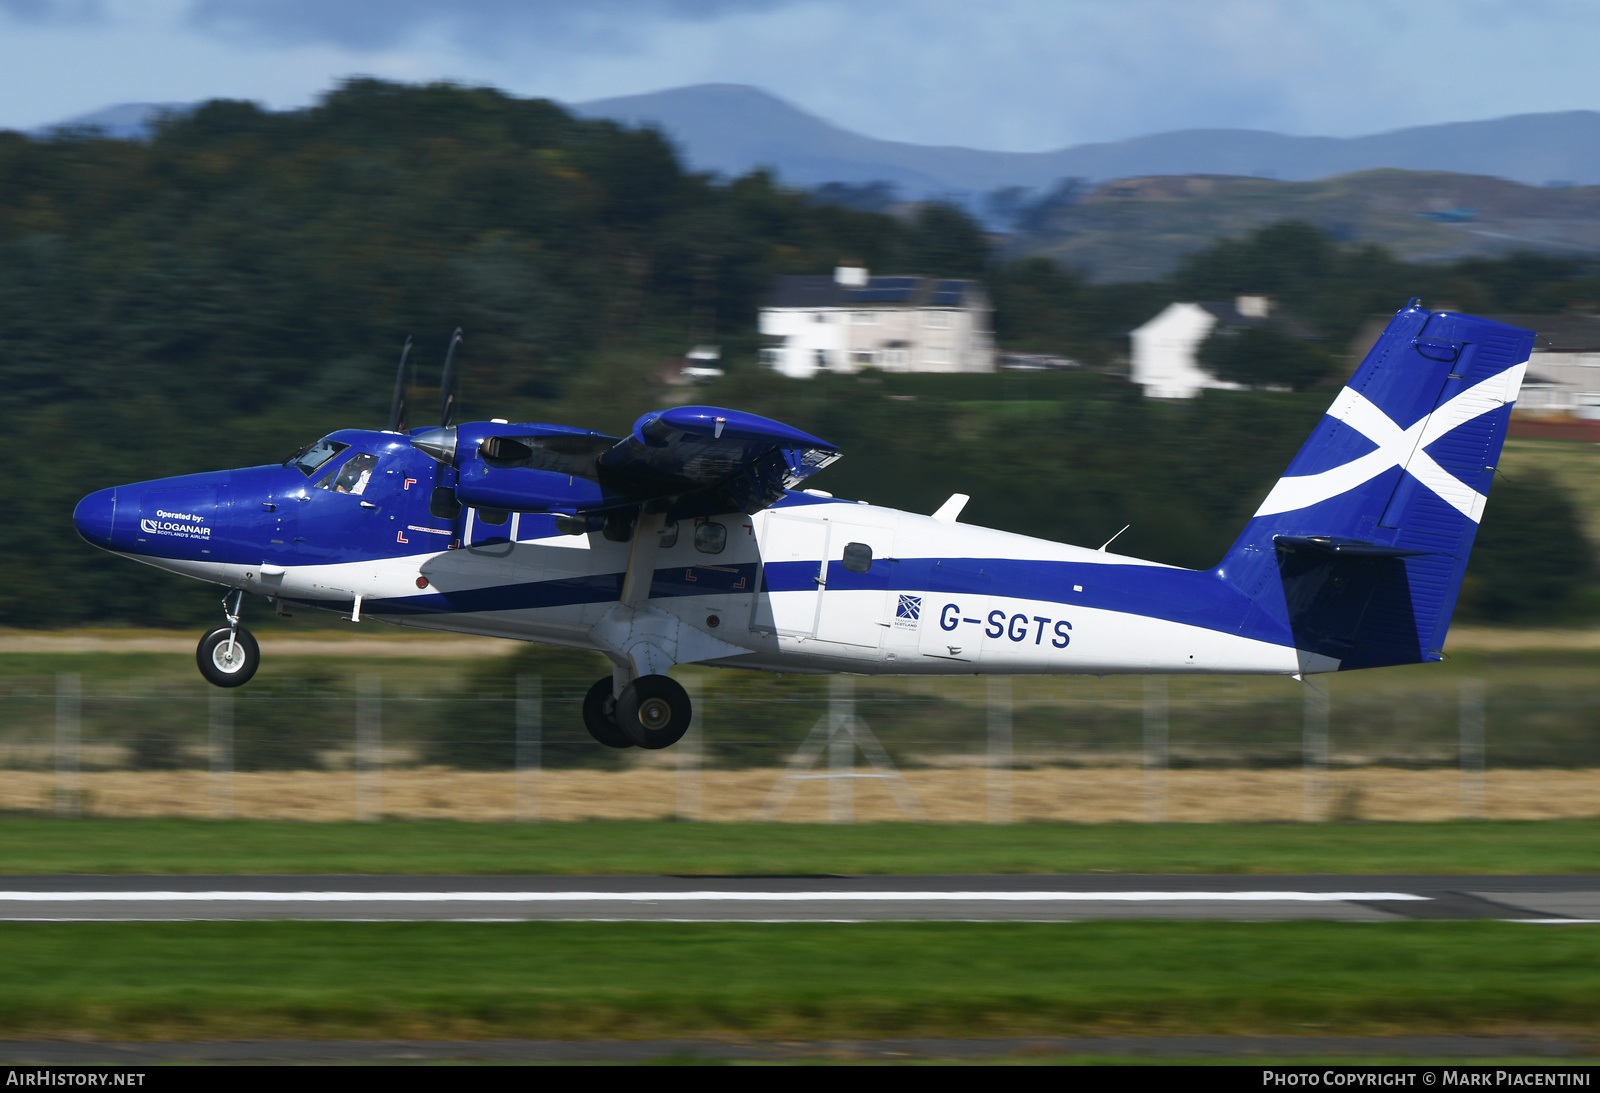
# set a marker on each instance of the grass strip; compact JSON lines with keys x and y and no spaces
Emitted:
{"x":30,"y":845}
{"x":225,"y":980}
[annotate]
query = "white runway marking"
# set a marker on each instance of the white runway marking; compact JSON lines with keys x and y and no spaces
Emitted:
{"x":700,"y":897}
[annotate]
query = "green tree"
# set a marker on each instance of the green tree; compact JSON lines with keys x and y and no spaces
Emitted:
{"x":1531,"y":557}
{"x":1258,"y":356}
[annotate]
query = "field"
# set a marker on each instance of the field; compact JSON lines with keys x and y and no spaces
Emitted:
{"x":184,"y":981}
{"x":1079,"y":746}
{"x":38,"y":846}
{"x":791,"y":982}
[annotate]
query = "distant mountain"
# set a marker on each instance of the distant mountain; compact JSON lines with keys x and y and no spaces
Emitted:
{"x":1139,"y":229}
{"x":732,"y":129}
{"x":124,"y":121}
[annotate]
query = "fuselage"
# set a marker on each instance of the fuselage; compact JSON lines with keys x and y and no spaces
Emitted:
{"x":810,"y":584}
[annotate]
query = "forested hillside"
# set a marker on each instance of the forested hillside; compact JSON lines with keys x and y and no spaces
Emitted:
{"x":240,"y":284}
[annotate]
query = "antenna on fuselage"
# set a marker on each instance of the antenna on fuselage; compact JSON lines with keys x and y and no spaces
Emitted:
{"x":447,"y":383}
{"x":397,"y":406}
{"x":1113,"y":539}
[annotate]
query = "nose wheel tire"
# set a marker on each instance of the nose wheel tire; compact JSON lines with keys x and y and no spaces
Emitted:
{"x":600,"y":716}
{"x":654,"y":711}
{"x":226,"y":667}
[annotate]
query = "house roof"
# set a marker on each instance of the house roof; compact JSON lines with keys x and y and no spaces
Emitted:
{"x":1558,"y":333}
{"x":1228,"y":314}
{"x":917,"y":292}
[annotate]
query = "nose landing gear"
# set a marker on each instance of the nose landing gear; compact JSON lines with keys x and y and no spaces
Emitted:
{"x":228,"y":656}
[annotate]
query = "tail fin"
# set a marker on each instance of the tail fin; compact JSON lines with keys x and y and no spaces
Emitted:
{"x":1361,"y":546}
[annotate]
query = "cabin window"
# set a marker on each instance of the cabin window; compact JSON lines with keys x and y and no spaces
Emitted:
{"x":857,"y":557}
{"x":314,"y":455}
{"x":710,"y":538}
{"x":493,"y":516}
{"x":669,"y":535}
{"x":354,"y":475}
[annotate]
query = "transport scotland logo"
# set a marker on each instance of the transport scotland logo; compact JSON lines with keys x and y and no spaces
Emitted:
{"x":908,"y":612}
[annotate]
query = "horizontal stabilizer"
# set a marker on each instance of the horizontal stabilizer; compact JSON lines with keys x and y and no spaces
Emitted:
{"x":1333,"y":545}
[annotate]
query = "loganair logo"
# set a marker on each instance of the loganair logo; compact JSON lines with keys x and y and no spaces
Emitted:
{"x":185,"y":525}
{"x":1399,"y":447}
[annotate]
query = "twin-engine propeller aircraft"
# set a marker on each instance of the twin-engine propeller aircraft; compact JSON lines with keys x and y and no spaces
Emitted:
{"x":690,"y":541}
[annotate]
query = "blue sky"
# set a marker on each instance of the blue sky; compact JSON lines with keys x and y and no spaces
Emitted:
{"x":1020,"y":75}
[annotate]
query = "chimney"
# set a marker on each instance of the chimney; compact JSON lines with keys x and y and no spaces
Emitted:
{"x":850,"y":276}
{"x":1253,"y":307}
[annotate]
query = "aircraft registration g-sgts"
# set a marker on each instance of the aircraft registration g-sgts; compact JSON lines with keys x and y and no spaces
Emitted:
{"x":688,"y":541}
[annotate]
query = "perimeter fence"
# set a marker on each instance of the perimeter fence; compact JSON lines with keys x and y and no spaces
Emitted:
{"x":841,"y":749}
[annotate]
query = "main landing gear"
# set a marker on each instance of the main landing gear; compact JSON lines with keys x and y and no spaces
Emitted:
{"x":652,"y":712}
{"x":228,"y":656}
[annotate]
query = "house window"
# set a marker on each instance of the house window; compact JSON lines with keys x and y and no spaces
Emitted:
{"x":893,"y":358}
{"x":863,"y":357}
{"x":936,"y":320}
{"x":820,"y":317}
{"x":772,"y":357}
{"x":821,"y":358}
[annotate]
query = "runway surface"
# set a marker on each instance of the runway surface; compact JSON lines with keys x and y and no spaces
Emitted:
{"x":1541,"y":899}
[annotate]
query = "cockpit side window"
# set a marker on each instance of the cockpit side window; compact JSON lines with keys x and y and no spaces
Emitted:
{"x":353,"y":476}
{"x":314,"y":455}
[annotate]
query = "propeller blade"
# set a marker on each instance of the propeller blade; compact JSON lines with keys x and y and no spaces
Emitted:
{"x":447,"y":382}
{"x":397,"y":407}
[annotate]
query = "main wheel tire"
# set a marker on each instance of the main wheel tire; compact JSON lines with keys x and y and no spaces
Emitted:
{"x":600,"y":716}
{"x":654,"y":711}
{"x":221,"y":668}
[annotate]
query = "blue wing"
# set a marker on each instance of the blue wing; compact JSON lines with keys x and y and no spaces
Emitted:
{"x":687,"y":460}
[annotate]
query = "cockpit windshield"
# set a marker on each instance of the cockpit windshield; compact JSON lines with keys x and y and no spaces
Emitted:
{"x":314,"y":455}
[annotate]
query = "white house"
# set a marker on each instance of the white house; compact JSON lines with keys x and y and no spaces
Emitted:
{"x":851,"y":321}
{"x":1563,"y":379}
{"x":1166,"y":349}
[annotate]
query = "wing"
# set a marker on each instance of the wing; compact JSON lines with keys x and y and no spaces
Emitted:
{"x":738,"y":461}
{"x":687,"y":460}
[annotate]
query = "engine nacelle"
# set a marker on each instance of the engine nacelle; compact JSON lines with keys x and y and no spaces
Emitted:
{"x":525,"y":489}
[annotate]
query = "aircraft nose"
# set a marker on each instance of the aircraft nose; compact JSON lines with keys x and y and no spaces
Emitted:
{"x":95,"y":517}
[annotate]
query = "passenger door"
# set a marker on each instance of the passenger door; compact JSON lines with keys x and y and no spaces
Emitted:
{"x":854,"y":608}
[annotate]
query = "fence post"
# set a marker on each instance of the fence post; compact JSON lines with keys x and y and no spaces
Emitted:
{"x":530,"y":746}
{"x":1472,"y":747}
{"x":69,"y":705}
{"x":690,"y":750}
{"x":1000,"y":752}
{"x":1314,"y":742}
{"x":841,"y":750}
{"x":1155,"y":749}
{"x":221,"y":749}
{"x":369,"y":748}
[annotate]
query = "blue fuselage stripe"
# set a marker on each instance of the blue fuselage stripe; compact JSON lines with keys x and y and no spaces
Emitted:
{"x":1191,"y":597}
